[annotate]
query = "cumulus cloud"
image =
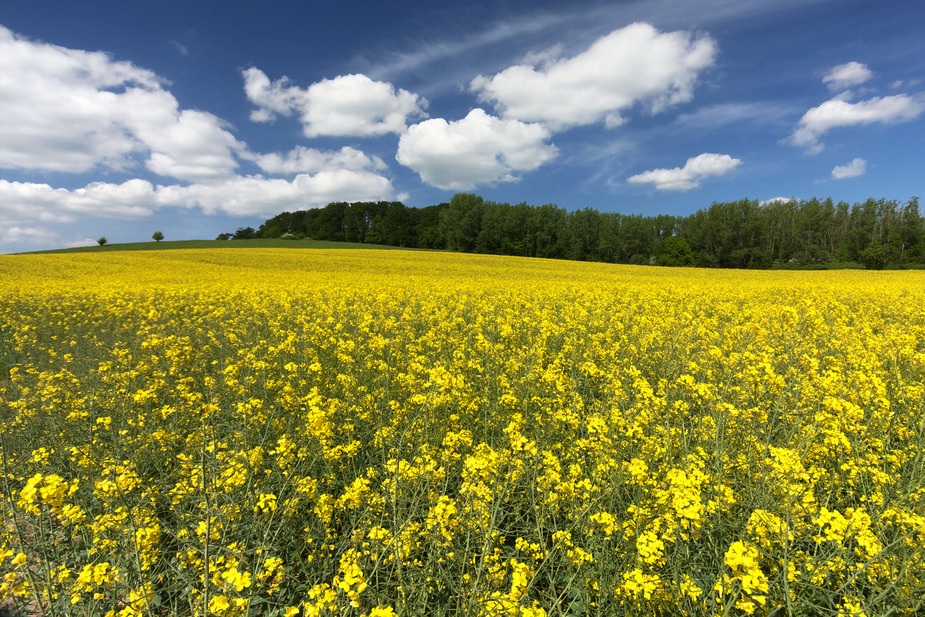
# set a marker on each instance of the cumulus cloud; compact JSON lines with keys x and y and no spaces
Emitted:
{"x":775,"y":200}
{"x":847,"y":75}
{"x":73,"y":111}
{"x":689,"y":176}
{"x":857,"y":167}
{"x":23,"y":238}
{"x":30,"y":201}
{"x":271,"y":98}
{"x":838,"y":112}
{"x":310,"y":160}
{"x":348,"y":105}
{"x":256,"y":195}
{"x":635,"y":64}
{"x":22,"y":203}
{"x":56,"y":105}
{"x":189,"y":145}
{"x":478,"y":150}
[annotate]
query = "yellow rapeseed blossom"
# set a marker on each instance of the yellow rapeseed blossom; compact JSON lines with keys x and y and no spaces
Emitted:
{"x":321,"y":432}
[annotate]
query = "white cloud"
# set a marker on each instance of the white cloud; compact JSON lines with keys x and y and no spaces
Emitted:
{"x":724,"y":114}
{"x":256,"y":195}
{"x":857,"y":167}
{"x":544,"y":57}
{"x":689,"y":176}
{"x":34,"y":236}
{"x":478,"y":150}
{"x":844,"y":76}
{"x":189,"y":145}
{"x":56,"y":103}
{"x":628,"y":66}
{"x":271,"y":98}
{"x":72,"y":111}
{"x":24,"y":203}
{"x":775,"y":200}
{"x":310,"y":160}
{"x":348,"y":105}
{"x":180,"y":48}
{"x":838,"y":112}
{"x":425,"y":55}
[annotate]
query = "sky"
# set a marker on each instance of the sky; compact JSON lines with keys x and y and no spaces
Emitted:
{"x":119,"y":119}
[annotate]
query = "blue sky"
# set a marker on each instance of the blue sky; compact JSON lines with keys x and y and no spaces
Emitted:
{"x":120,"y":119}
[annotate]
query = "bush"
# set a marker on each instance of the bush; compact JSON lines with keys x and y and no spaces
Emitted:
{"x":674,"y":251}
{"x":244,"y":233}
{"x":875,"y":256}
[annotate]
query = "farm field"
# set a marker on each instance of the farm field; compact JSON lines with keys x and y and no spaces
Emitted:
{"x":342,"y":432}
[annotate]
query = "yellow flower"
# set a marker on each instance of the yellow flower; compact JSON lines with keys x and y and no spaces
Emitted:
{"x":240,"y":580}
{"x":219,"y":604}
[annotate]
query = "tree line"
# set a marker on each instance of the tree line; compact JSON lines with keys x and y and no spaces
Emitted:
{"x":738,"y":234}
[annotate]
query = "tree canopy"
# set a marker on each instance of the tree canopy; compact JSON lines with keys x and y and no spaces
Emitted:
{"x":738,"y":234}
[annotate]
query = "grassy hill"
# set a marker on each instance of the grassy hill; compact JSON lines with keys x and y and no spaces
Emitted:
{"x":218,"y":244}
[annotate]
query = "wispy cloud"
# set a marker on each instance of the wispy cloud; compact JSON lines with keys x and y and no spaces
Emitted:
{"x":178,"y":47}
{"x":725,"y":114}
{"x":571,"y":28}
{"x":425,"y":53}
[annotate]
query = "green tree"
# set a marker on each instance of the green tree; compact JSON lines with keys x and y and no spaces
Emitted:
{"x":674,"y":252}
{"x":583,"y":227}
{"x":356,"y":223}
{"x":461,"y":222}
{"x":398,"y":223}
{"x":329,"y":222}
{"x":638,"y":236}
{"x":547,"y":226}
{"x":491,"y":231}
{"x":428,"y":227}
{"x":875,"y":256}
{"x":158,"y":236}
{"x":102,"y":241}
{"x":912,"y":233}
{"x":608,"y":245}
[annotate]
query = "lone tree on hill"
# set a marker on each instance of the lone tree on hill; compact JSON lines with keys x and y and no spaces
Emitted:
{"x":102,"y":241}
{"x":158,"y":236}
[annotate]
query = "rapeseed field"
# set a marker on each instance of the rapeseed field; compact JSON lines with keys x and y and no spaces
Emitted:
{"x":282,"y":433}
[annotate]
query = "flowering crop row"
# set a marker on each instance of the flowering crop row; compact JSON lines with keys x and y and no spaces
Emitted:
{"x":248,"y":432}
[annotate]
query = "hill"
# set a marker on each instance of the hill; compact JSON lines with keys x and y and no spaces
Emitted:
{"x":218,"y":244}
